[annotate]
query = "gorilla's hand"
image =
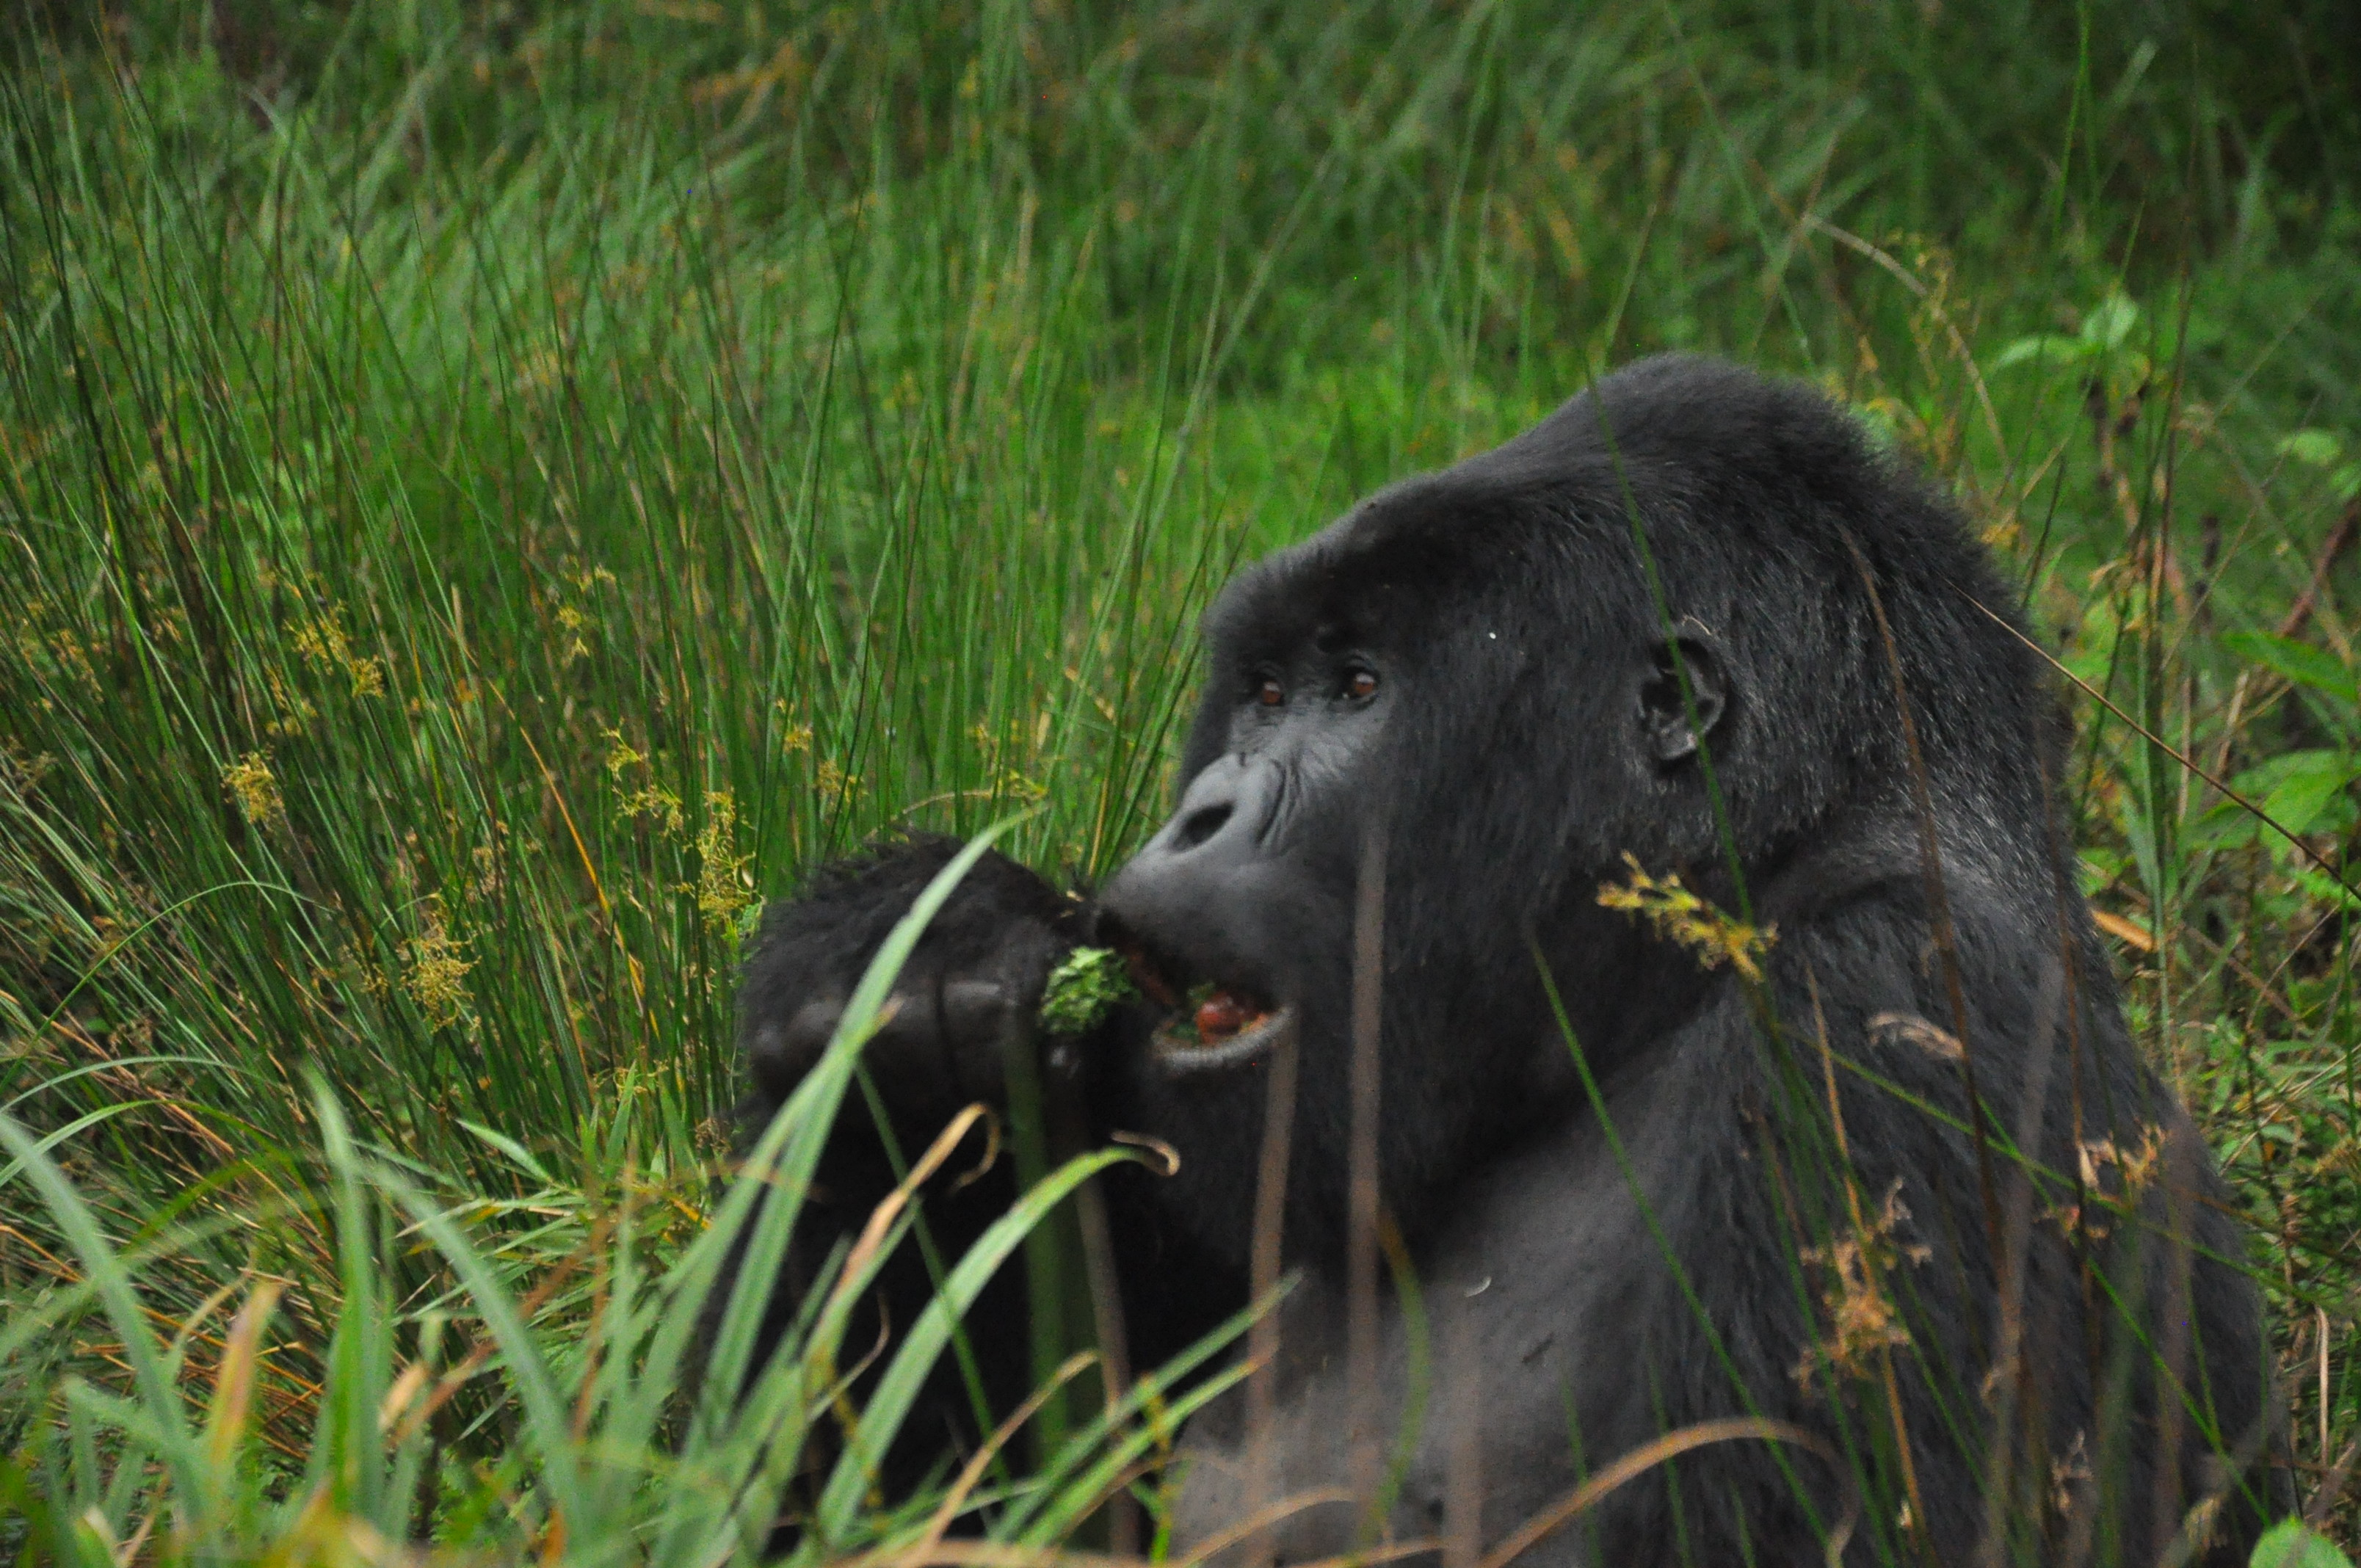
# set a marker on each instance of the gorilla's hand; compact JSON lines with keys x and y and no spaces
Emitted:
{"x":940,"y":1044}
{"x":968,"y":994}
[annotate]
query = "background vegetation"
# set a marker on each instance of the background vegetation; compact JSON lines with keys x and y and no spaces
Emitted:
{"x":491,"y":491}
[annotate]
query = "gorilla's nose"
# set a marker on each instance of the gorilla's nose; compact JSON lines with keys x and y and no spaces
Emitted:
{"x":1222,"y":811}
{"x":1188,"y":872}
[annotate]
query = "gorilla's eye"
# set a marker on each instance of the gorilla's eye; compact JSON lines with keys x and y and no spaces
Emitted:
{"x":1360,"y":683}
{"x":1270,"y":693}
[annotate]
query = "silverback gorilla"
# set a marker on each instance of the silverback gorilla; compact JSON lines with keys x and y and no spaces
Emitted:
{"x":1901,"y":1184}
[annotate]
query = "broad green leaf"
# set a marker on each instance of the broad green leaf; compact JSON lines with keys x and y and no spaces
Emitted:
{"x":2318,"y":448}
{"x":2322,"y":888}
{"x":2287,"y":1544}
{"x":81,"y":1124}
{"x":2306,"y":666}
{"x":2047,"y":349}
{"x":2308,"y":786}
{"x":2302,"y":792}
{"x":2111,"y":320}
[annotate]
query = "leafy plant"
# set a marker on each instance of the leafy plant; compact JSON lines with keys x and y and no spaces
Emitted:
{"x":616,"y":1454}
{"x":2288,"y":1544}
{"x":1087,"y":984}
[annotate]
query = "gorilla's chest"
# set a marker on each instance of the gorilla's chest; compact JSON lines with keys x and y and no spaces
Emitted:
{"x":1477,"y":1372}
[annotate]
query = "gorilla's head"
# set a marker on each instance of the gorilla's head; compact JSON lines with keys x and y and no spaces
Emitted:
{"x":1642,"y":627}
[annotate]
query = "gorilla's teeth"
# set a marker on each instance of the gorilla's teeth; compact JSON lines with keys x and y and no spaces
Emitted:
{"x":1181,"y":1057}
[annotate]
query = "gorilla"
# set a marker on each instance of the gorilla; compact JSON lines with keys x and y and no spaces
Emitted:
{"x":1662,"y":808}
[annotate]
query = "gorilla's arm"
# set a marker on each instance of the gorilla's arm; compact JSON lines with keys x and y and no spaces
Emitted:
{"x":966,"y":1000}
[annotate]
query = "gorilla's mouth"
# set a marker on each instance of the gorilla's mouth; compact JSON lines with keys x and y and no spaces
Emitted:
{"x":1224,"y":1032}
{"x":1209,"y":1028}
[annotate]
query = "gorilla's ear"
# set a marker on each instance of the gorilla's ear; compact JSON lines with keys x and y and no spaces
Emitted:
{"x":1664,"y":716}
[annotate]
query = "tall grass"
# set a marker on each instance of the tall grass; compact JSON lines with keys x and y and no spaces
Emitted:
{"x":492,"y":493}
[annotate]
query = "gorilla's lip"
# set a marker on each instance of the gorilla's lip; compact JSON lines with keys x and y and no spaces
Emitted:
{"x":1177,"y":1043}
{"x":1249,"y":1046}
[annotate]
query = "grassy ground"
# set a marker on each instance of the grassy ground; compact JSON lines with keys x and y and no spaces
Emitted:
{"x":490,"y":492}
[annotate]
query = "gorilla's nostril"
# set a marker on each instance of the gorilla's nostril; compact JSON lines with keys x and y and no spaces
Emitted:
{"x":1200,"y":825}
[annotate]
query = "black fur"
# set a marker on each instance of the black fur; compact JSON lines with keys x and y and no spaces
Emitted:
{"x":1528,"y":729}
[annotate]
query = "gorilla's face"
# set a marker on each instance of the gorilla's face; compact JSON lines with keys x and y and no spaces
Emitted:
{"x":1362,"y":683}
{"x":1235,"y":907}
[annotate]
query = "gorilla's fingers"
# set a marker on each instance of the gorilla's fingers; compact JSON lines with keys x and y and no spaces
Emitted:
{"x":926,"y":1034}
{"x":960,"y":1015}
{"x":779,"y":1055}
{"x":934,"y":1039}
{"x":974,"y":1011}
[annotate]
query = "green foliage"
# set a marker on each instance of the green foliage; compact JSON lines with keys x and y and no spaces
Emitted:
{"x":2324,"y":450}
{"x":2103,"y":347}
{"x":2287,"y":1544}
{"x":1087,"y":985}
{"x":491,"y":491}
{"x":2303,"y":664}
{"x":616,"y":1457}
